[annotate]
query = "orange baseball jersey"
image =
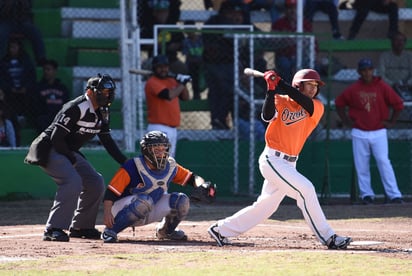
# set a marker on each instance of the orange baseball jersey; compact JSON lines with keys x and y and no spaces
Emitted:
{"x":162,"y":111}
{"x":292,"y":126}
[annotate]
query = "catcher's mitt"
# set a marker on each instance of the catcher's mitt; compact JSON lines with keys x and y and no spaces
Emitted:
{"x":205,"y":192}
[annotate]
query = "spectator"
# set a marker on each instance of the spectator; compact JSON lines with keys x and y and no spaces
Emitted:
{"x":395,"y":66}
{"x":49,"y":95}
{"x":16,"y":18}
{"x":218,"y":58}
{"x":153,"y":12}
{"x":369,"y":101}
{"x":7,"y":134}
{"x":162,"y":99}
{"x":18,"y":76}
{"x":193,"y":51}
{"x":326,"y":6}
{"x":286,"y":55}
{"x":10,"y":115}
{"x":362,"y":7}
{"x":80,"y":188}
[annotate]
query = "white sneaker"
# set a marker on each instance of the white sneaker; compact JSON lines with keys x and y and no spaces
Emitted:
{"x":109,"y":236}
{"x":338,"y":242}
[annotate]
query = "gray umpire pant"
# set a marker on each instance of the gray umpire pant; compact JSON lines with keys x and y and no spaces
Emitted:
{"x":80,"y":191}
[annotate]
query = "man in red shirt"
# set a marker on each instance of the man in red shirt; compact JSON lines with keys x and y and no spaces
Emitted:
{"x":369,"y":101}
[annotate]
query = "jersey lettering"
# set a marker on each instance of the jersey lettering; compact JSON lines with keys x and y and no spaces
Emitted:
{"x":289,"y":117}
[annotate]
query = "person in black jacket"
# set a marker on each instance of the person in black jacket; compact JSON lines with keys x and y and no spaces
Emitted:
{"x":49,"y":95}
{"x":80,"y":188}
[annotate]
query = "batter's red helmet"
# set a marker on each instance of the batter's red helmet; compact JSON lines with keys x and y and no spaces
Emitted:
{"x":306,"y":75}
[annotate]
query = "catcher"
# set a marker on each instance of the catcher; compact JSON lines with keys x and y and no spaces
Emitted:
{"x":138,"y":193}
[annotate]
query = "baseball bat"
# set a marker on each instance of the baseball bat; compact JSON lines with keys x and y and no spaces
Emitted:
{"x":253,"y":73}
{"x":145,"y":72}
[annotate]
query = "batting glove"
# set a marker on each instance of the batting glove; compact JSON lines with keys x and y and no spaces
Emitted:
{"x":272,"y":80}
{"x":183,"y":79}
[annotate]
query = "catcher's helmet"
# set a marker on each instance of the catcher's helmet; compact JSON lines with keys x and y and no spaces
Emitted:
{"x":159,"y":60}
{"x":100,"y":83}
{"x":150,"y":140}
{"x":306,"y":75}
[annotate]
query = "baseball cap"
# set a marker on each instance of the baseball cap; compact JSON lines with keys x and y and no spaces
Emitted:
{"x":365,"y":63}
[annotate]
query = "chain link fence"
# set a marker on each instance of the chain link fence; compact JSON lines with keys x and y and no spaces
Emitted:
{"x":225,"y":104}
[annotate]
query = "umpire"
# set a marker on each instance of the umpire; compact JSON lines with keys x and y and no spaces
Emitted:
{"x":80,"y":187}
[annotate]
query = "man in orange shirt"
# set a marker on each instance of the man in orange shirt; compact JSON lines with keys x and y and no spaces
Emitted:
{"x":292,"y":113}
{"x":138,"y":193}
{"x":162,"y":98}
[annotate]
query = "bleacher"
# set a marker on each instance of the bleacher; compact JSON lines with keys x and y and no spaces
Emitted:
{"x":83,"y":36}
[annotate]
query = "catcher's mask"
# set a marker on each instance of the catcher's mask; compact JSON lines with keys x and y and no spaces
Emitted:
{"x":155,"y":148}
{"x":306,"y":75}
{"x":157,"y":61}
{"x":103,"y":88}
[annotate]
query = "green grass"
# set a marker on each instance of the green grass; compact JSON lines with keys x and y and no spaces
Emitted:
{"x":217,"y":262}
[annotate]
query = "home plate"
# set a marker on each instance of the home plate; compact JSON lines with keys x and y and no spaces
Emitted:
{"x":360,"y":243}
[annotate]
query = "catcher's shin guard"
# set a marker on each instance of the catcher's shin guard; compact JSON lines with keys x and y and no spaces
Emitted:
{"x":135,"y":211}
{"x":181,"y":203}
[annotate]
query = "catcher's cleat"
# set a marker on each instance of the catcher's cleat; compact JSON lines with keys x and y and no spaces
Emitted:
{"x":214,"y":233}
{"x":337,"y":242}
{"x":109,"y":236}
{"x":176,"y":235}
{"x":55,"y":234}
{"x":92,"y":233}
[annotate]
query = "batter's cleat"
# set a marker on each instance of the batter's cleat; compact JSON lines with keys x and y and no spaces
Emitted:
{"x":338,"y":242}
{"x":92,"y":233}
{"x":214,"y":233}
{"x":109,"y":236}
{"x":55,"y":234}
{"x":176,"y":235}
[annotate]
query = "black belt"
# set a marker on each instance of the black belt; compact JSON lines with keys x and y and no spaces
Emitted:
{"x":286,"y":157}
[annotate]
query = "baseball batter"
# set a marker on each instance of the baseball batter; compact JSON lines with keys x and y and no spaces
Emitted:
{"x":292,"y":113}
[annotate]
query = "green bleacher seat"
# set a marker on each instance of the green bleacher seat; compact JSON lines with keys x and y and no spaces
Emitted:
{"x":98,"y":58}
{"x":48,"y":21}
{"x":194,"y":105}
{"x":94,"y":3}
{"x":93,"y":43}
{"x":42,"y":4}
{"x":358,"y":45}
{"x":57,"y":49}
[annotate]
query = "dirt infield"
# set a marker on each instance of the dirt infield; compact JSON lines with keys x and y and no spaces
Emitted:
{"x":22,"y":224}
